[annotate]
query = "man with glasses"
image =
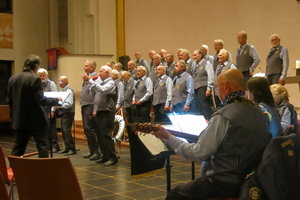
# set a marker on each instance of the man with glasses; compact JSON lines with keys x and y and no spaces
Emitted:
{"x":232,"y":143}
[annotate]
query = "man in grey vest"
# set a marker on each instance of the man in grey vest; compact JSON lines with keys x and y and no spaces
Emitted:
{"x":50,"y":86}
{"x":203,"y":75}
{"x":117,"y":79}
{"x":119,"y":67}
{"x":67,"y":113}
{"x":156,"y":63}
{"x":277,"y":62}
{"x":151,"y":54}
{"x":87,"y":104}
{"x":233,"y":143}
{"x":224,"y":64}
{"x":132,"y":69}
{"x":140,"y":61}
{"x":162,"y":95}
{"x":128,"y":85}
{"x":143,"y":91}
{"x":163,"y":53}
{"x":170,"y":67}
{"x":104,"y":111}
{"x":205,"y":50}
{"x":186,"y":56}
{"x":218,"y":45}
{"x":183,"y":89}
{"x":247,"y":58}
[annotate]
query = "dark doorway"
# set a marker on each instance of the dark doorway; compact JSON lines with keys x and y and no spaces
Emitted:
{"x":5,"y":74}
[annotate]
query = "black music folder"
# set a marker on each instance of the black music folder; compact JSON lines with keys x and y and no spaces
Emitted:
{"x":148,"y":153}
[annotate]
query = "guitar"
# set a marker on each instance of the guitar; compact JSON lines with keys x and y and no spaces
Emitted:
{"x":144,"y":128}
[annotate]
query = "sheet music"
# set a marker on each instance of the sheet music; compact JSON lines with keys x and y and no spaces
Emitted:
{"x":63,"y":95}
{"x":153,"y":144}
{"x":191,"y":124}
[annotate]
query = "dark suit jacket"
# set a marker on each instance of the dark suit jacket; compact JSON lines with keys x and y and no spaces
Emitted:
{"x":26,"y":101}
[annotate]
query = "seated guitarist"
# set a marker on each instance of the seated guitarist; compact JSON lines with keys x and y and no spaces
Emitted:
{"x":233,"y":143}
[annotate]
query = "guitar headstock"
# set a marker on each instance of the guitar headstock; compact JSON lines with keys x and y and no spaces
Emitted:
{"x":144,"y":128}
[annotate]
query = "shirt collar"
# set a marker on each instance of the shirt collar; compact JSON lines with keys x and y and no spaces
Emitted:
{"x":162,"y":77}
{"x":225,"y":63}
{"x":143,"y":77}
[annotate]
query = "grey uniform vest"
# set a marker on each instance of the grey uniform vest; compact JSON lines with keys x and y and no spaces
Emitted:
{"x":153,"y":75}
{"x":140,"y":62}
{"x":128,"y":92}
{"x":46,"y":86}
{"x":140,"y":89}
{"x":241,"y":150}
{"x":200,"y":74}
{"x":244,"y":60}
{"x":171,"y":70}
{"x":179,"y":89}
{"x":87,"y":94}
{"x":160,"y":92}
{"x":133,"y":74}
{"x":221,"y":68}
{"x":188,"y":66}
{"x":216,"y":62}
{"x":106,"y":102}
{"x":274,"y":62}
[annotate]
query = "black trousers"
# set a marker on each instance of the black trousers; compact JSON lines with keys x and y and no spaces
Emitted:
{"x":160,"y":113}
{"x":104,"y":126}
{"x":67,"y":120}
{"x":203,"y":102}
{"x":41,"y":139}
{"x":143,"y":112}
{"x":203,"y":188}
{"x":131,"y":114}
{"x":88,"y":127}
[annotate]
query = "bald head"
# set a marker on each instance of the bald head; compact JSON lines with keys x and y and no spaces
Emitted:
{"x":125,"y":76}
{"x":230,"y":81}
{"x":234,"y":77}
{"x":63,"y":81}
{"x":131,"y":65}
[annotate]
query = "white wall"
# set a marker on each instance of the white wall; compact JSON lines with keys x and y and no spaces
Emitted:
{"x":173,"y":24}
{"x":30,"y":30}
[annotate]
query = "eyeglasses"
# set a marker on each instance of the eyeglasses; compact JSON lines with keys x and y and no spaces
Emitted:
{"x":217,"y":86}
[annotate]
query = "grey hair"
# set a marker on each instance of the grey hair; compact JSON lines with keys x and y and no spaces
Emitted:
{"x":42,"y":70}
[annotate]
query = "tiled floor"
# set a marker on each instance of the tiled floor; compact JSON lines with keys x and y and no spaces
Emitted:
{"x":114,"y":182}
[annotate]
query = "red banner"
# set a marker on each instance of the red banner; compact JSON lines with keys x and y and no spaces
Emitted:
{"x":52,"y":58}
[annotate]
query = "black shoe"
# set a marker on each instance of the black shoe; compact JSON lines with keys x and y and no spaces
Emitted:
{"x":111,"y":162}
{"x":63,"y":151}
{"x":102,"y":160}
{"x":85,"y":156}
{"x":71,"y":152}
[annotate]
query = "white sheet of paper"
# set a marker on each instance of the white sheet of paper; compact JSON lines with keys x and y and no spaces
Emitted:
{"x":191,"y":124}
{"x":63,"y":95}
{"x":153,"y":144}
